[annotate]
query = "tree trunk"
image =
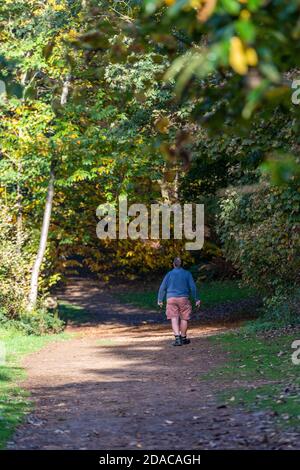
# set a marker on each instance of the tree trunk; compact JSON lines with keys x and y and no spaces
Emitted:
{"x":65,"y":91}
{"x":34,"y":283}
{"x":42,"y":246}
{"x":169,"y":189}
{"x":176,"y":185}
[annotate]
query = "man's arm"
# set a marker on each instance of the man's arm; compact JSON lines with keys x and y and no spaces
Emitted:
{"x":193,"y":289}
{"x":163,"y":289}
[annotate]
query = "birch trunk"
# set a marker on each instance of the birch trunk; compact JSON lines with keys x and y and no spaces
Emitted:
{"x":33,"y":293}
{"x":34,"y":283}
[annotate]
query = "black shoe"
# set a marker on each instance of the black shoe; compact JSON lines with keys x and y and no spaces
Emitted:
{"x":185,"y":340}
{"x":177,"y":341}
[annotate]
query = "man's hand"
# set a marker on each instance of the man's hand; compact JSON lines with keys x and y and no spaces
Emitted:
{"x":160,"y":304}
{"x":198,"y":303}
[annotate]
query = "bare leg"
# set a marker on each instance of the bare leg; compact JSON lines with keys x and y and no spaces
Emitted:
{"x":175,"y":326}
{"x":183,"y":327}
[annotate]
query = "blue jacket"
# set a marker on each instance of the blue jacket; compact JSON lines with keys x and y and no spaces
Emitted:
{"x":177,"y":283}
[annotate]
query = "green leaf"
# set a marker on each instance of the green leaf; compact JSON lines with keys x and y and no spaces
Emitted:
{"x":231,"y":6}
{"x":246,"y":30}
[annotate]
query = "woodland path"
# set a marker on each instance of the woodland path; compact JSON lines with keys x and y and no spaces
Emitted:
{"x":119,"y":384}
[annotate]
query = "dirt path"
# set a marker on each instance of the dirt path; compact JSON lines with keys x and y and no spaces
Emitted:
{"x":120,"y":385}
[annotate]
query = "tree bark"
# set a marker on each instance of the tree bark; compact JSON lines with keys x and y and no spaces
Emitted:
{"x":65,"y":91}
{"x":34,"y":283}
{"x":42,"y":246}
{"x":169,"y":189}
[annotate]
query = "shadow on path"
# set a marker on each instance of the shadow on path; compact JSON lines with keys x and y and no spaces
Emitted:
{"x":121,"y":385}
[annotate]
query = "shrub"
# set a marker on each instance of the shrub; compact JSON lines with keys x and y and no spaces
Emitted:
{"x":14,"y":268}
{"x":39,"y":322}
{"x":280,"y":310}
{"x":15,"y":262}
{"x":261,"y":236}
{"x":283,"y":309}
{"x":130,"y":258}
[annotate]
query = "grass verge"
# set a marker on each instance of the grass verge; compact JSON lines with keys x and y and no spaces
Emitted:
{"x":259,"y":373}
{"x":14,"y":401}
{"x":73,"y":314}
{"x":211,"y":294}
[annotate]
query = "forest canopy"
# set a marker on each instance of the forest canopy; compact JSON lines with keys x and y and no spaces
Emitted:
{"x":162,"y":101}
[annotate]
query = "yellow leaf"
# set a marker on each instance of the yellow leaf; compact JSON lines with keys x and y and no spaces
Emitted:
{"x":237,"y":56}
{"x":170,"y":2}
{"x":56,"y":6}
{"x":251,"y":56}
{"x":72,"y":34}
{"x":195,"y":3}
{"x":245,"y":15}
{"x":162,"y":125}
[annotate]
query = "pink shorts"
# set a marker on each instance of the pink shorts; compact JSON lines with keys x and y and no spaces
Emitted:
{"x":179,"y":307}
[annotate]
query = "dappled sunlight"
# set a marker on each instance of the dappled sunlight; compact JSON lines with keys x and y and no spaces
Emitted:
{"x":120,"y":389}
{"x":149,"y":169}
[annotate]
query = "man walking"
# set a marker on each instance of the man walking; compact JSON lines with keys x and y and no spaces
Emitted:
{"x":177,"y":285}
